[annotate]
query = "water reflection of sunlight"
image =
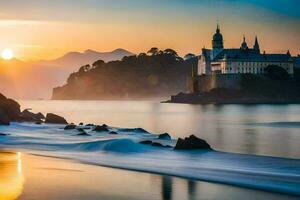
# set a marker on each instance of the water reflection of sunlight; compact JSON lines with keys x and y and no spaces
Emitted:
{"x":11,"y":176}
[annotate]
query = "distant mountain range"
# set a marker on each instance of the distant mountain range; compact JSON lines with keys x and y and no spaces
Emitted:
{"x":34,"y":80}
{"x":73,"y":60}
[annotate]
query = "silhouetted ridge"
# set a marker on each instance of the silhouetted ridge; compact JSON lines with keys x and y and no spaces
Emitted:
{"x":156,"y":74}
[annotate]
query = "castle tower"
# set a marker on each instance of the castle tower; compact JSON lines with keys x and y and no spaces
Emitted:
{"x":244,"y":45}
{"x":256,"y":45}
{"x":217,"y":42}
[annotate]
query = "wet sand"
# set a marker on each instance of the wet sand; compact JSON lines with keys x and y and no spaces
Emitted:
{"x":27,"y":177}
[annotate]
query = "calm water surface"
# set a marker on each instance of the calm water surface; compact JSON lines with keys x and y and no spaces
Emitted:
{"x":256,"y":129}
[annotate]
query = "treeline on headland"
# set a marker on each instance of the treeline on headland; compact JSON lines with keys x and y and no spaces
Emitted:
{"x":155,"y":74}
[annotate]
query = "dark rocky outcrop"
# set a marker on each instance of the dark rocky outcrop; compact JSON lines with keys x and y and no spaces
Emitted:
{"x":28,"y":116}
{"x":164,"y":136}
{"x":3,"y":134}
{"x":89,"y":125}
{"x":101,"y":128}
{"x":80,"y":124}
{"x":70,"y":127}
{"x":9,"y":110}
{"x":113,"y":132}
{"x":191,"y":143}
{"x":4,"y":119}
{"x":55,"y":119}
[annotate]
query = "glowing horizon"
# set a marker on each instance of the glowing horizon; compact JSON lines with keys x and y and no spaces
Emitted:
{"x":32,"y":32}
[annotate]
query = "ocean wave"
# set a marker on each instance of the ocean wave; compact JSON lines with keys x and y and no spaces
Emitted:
{"x":124,"y":151}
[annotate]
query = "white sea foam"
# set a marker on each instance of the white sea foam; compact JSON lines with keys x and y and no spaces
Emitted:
{"x":124,"y":151}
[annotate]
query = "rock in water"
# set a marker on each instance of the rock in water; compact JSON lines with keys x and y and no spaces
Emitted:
{"x":102,"y":128}
{"x":4,"y":119}
{"x":82,"y":132}
{"x":164,"y":136}
{"x":113,"y":132}
{"x":191,"y":143}
{"x":70,"y":126}
{"x":28,"y":116}
{"x":55,"y":119}
{"x":9,"y":110}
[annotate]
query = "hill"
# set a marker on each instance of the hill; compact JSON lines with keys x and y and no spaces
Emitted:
{"x":159,"y":74}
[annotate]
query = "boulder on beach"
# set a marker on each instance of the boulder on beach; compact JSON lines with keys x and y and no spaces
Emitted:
{"x":9,"y":110}
{"x":191,"y":143}
{"x":102,"y":128}
{"x":70,"y":127}
{"x":164,"y":136}
{"x":28,"y":116}
{"x":55,"y":119}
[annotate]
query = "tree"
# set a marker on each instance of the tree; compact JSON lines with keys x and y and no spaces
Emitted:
{"x":275,"y":72}
{"x":189,"y":56}
{"x":98,"y":63}
{"x":171,"y":52}
{"x":72,"y":78}
{"x":153,"y":51}
{"x":84,"y":68}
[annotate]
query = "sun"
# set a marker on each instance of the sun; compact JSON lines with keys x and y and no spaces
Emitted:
{"x":7,"y":54}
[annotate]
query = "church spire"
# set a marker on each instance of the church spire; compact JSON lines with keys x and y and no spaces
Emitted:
{"x":256,"y":45}
{"x":218,"y":28}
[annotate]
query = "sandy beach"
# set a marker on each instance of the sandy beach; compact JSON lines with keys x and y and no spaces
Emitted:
{"x":25,"y":176}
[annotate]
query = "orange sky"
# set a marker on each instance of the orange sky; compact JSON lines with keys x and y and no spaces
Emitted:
{"x":34,"y":33}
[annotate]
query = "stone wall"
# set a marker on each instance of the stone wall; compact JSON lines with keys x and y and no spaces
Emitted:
{"x":207,"y":82}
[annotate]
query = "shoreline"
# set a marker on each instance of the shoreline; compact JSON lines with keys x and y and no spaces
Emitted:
{"x":57,"y":168}
{"x":184,"y":177}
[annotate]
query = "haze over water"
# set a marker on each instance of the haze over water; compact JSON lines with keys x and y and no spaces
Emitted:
{"x":253,"y":129}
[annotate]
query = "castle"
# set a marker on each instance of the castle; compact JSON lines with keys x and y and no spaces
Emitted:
{"x":219,"y":60}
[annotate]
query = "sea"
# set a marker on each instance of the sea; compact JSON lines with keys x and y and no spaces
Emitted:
{"x":256,"y":147}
